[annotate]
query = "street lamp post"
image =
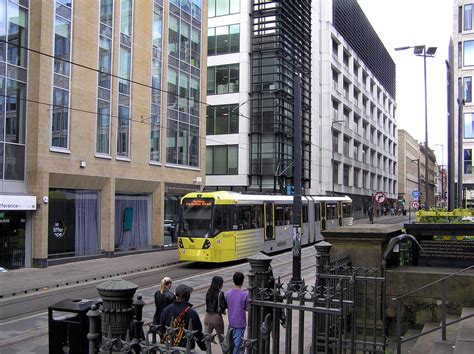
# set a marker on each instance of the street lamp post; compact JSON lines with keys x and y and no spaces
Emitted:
{"x":423,"y":51}
{"x":332,"y":174}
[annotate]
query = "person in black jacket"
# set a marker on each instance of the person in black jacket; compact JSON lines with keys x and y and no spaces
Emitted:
{"x":182,"y":314}
{"x":215,"y":308}
{"x":163,"y":298}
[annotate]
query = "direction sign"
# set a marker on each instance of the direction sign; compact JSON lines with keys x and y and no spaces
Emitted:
{"x":415,"y":194}
{"x":415,"y":204}
{"x":380,"y":197}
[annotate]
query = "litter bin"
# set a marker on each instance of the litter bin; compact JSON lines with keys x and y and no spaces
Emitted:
{"x":68,"y":325}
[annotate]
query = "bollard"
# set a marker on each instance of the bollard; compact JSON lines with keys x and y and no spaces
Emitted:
{"x":260,"y":276}
{"x":94,"y":334}
{"x":138,"y":333}
{"x":117,"y":311}
{"x":322,"y":256}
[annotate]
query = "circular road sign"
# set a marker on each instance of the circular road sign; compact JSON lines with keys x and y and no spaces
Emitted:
{"x":380,"y":197}
{"x":415,"y":204}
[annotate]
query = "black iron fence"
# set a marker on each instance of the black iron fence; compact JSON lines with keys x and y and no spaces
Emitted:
{"x":339,"y":310}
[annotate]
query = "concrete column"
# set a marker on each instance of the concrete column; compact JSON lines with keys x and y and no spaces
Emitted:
{"x":39,"y":184}
{"x":158,"y":215}
{"x":107,"y":217}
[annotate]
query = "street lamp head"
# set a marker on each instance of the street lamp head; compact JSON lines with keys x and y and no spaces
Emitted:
{"x":431,"y":51}
{"x":402,"y":48}
{"x":418,"y":49}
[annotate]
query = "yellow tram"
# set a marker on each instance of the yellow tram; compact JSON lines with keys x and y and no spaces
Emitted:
{"x":227,"y":226}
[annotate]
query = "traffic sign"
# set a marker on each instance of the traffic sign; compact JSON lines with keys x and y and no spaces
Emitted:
{"x":380,"y":197}
{"x":415,"y":204}
{"x":415,"y":194}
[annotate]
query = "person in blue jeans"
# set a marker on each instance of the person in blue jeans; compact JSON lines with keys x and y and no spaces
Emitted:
{"x":237,"y":302}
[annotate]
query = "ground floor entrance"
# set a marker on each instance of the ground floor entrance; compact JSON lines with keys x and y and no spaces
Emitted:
{"x":12,"y":239}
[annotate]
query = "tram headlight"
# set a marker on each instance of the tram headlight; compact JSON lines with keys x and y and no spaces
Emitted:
{"x":180,"y":243}
{"x":206,"y":245}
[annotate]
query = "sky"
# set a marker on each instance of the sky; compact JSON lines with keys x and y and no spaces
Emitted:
{"x":402,"y":23}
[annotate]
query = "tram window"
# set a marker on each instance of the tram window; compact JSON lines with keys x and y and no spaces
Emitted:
{"x":222,"y":218}
{"x":257,"y":216}
{"x":283,"y":214}
{"x":346,"y":210}
{"x":245,"y":212}
{"x":305,"y":213}
{"x":317,"y":215}
{"x":331,"y":211}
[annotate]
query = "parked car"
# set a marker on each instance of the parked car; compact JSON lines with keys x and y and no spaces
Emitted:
{"x":169,"y":227}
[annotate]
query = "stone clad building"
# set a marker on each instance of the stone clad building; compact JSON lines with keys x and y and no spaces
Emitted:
{"x":102,"y":124}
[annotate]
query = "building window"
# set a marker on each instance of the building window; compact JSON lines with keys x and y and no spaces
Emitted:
{"x":222,"y":119}
{"x":335,"y":173}
{"x":335,"y":49}
{"x":468,"y":17}
{"x":345,"y":147}
{"x":124,"y":72}
{"x":356,"y":177}
{"x":74,"y":227}
{"x":345,"y":177}
{"x":132,"y":221}
{"x":183,"y":84}
{"x":468,"y":53}
{"x":156,"y":68}
{"x":103,"y":78}
{"x":223,"y":40}
{"x":17,"y":22}
{"x":335,"y":142}
{"x":223,"y":7}
{"x":469,"y":126}
{"x":223,"y":79}
{"x":61,"y":76}
{"x":222,"y":160}
{"x":468,"y":161}
{"x":467,"y":85}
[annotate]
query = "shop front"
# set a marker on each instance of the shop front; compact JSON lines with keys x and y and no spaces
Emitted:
{"x":15,"y":233}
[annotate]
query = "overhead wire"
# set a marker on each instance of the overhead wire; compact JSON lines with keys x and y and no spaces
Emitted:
{"x":141,"y":120}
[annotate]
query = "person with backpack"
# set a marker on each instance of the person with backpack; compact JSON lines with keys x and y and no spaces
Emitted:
{"x":215,"y":308}
{"x":237,"y":302}
{"x":182,"y":314}
{"x":163,"y":298}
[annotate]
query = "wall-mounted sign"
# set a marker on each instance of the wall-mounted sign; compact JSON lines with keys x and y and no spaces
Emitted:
{"x":17,"y":202}
{"x":59,"y":230}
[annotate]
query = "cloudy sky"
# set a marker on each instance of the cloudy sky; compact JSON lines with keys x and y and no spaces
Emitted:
{"x":408,"y":23}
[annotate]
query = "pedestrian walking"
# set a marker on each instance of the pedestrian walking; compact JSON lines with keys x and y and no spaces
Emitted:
{"x":163,"y":298}
{"x":237,"y":301}
{"x":215,"y":308}
{"x":182,"y":314}
{"x":371,"y":215}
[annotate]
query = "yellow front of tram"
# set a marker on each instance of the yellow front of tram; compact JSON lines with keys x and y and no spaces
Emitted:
{"x":205,"y":233}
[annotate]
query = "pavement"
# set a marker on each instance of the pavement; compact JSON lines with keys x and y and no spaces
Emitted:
{"x":31,"y":280}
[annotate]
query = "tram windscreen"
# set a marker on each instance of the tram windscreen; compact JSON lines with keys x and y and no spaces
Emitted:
{"x":196,"y":217}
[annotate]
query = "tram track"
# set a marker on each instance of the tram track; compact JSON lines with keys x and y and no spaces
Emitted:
{"x":148,"y":284}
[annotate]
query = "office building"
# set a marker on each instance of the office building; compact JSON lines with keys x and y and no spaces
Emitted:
{"x":462,"y":70}
{"x":102,"y":107}
{"x":349,"y":142}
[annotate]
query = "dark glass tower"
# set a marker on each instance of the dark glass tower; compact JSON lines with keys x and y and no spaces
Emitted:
{"x":281,"y":49}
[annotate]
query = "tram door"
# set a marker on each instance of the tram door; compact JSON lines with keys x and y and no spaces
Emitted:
{"x":340,"y":213}
{"x":323,"y":215}
{"x":269,"y":221}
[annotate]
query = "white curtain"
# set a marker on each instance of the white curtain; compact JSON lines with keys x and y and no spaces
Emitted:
{"x":87,"y":223}
{"x":138,"y":237}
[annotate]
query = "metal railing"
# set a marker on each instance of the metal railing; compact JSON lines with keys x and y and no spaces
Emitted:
{"x":442,"y":326}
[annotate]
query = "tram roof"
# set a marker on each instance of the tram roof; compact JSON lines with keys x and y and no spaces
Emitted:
{"x":261,"y":198}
